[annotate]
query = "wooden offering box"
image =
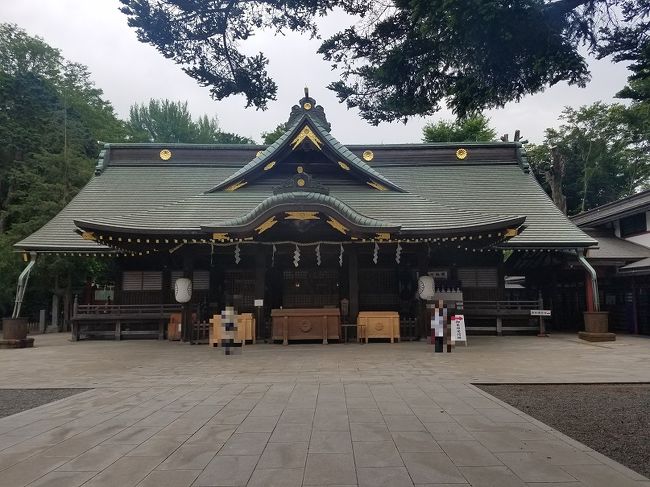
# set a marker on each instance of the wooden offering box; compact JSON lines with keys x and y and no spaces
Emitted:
{"x":379,"y":324}
{"x":306,"y":324}
{"x":245,"y":329}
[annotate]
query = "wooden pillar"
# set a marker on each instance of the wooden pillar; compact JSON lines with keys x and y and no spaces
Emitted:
{"x":353,"y":276}
{"x":635,"y":306}
{"x":260,"y":280}
{"x":589,"y":293}
{"x":423,"y":315}
{"x":186,"y":316}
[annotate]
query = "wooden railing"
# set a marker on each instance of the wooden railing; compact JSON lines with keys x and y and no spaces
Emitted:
{"x":500,"y":310}
{"x":127,"y":311}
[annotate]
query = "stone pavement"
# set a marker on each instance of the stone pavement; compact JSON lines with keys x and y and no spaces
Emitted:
{"x":168,"y":414}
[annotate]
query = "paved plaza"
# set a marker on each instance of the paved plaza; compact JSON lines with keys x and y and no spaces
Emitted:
{"x":165,"y":414}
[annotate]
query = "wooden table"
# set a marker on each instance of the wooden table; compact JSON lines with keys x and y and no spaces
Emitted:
{"x":246,"y":329}
{"x":379,"y":324}
{"x":306,"y":324}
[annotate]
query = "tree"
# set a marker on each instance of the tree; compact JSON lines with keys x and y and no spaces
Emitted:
{"x":171,"y":122}
{"x":269,"y":137}
{"x":472,"y":129}
{"x":51,"y":116}
{"x":593,"y":157}
{"x":403,"y":57}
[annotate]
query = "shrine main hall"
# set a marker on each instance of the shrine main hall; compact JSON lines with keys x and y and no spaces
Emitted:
{"x":309,"y":228}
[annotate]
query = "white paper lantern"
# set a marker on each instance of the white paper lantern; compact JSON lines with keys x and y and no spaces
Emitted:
{"x":426,"y":287}
{"x":183,"y":290}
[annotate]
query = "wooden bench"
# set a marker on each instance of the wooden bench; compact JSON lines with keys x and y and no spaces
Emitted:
{"x":100,"y":316}
{"x":498,"y":310}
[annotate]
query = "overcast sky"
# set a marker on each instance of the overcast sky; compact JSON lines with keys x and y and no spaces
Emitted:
{"x":95,"y":33}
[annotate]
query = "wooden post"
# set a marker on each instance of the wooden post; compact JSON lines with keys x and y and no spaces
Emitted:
{"x":260,"y":279}
{"x":324,"y":330}
{"x":118,"y":330}
{"x":161,"y":330}
{"x":542,"y":326}
{"x":353,"y":276}
{"x":423,"y":318}
{"x":285,"y":331}
{"x":635,"y":304}
{"x":186,"y":314}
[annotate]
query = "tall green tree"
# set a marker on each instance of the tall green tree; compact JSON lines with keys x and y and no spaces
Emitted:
{"x":402,"y":57}
{"x":51,"y":116}
{"x":171,"y":122}
{"x":475,"y":128}
{"x":269,"y":137}
{"x":593,"y":158}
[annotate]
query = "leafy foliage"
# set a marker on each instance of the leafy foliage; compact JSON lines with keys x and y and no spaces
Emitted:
{"x":472,"y":129}
{"x":603,"y":159}
{"x":403,"y":57}
{"x":51,"y":116}
{"x":269,"y":137}
{"x":171,"y":122}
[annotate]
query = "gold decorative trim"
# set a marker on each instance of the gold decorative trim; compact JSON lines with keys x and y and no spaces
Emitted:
{"x":307,"y":106}
{"x":368,"y":155}
{"x":344,"y":166}
{"x":300,"y":170}
{"x":266,"y":225}
{"x":300,"y":182}
{"x":510,"y":232}
{"x":221,"y":237}
{"x":88,"y":236}
{"x":377,"y":186}
{"x":462,"y":154}
{"x":165,"y":154}
{"x":237,"y":185}
{"x":302,"y":215}
{"x":270,"y":165}
{"x":258,"y":153}
{"x":382,"y":236}
{"x":338,"y":226}
{"x":306,"y":133}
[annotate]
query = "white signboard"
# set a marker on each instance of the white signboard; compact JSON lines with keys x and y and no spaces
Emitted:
{"x":259,"y":303}
{"x":540,"y":312}
{"x":458,"y":332}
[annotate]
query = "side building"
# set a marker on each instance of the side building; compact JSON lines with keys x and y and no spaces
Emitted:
{"x":622,"y":259}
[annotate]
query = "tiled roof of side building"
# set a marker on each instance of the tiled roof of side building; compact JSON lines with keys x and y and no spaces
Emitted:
{"x":611,"y":211}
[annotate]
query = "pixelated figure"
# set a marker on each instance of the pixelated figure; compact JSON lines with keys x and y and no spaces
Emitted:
{"x":229,"y":331}
{"x":438,"y":321}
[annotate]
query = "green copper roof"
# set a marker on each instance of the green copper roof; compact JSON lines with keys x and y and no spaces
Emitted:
{"x":281,"y":147}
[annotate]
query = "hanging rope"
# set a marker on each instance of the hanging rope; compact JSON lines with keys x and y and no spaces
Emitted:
{"x":398,"y":253}
{"x":318,"y":261}
{"x":273,"y":256}
{"x":341,"y":257}
{"x":375,"y":254}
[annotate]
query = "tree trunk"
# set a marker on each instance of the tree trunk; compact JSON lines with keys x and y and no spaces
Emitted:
{"x":555,"y":178}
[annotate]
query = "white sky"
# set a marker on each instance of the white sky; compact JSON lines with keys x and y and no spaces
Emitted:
{"x":95,"y":33}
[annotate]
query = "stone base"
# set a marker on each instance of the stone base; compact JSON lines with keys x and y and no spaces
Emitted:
{"x":25,"y":343}
{"x":596,"y":337}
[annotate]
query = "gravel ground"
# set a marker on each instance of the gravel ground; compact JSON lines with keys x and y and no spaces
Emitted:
{"x":13,"y":401}
{"x":613,"y":419}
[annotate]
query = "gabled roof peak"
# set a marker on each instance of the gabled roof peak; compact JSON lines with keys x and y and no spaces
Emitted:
{"x":306,"y":129}
{"x":307,"y":106}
